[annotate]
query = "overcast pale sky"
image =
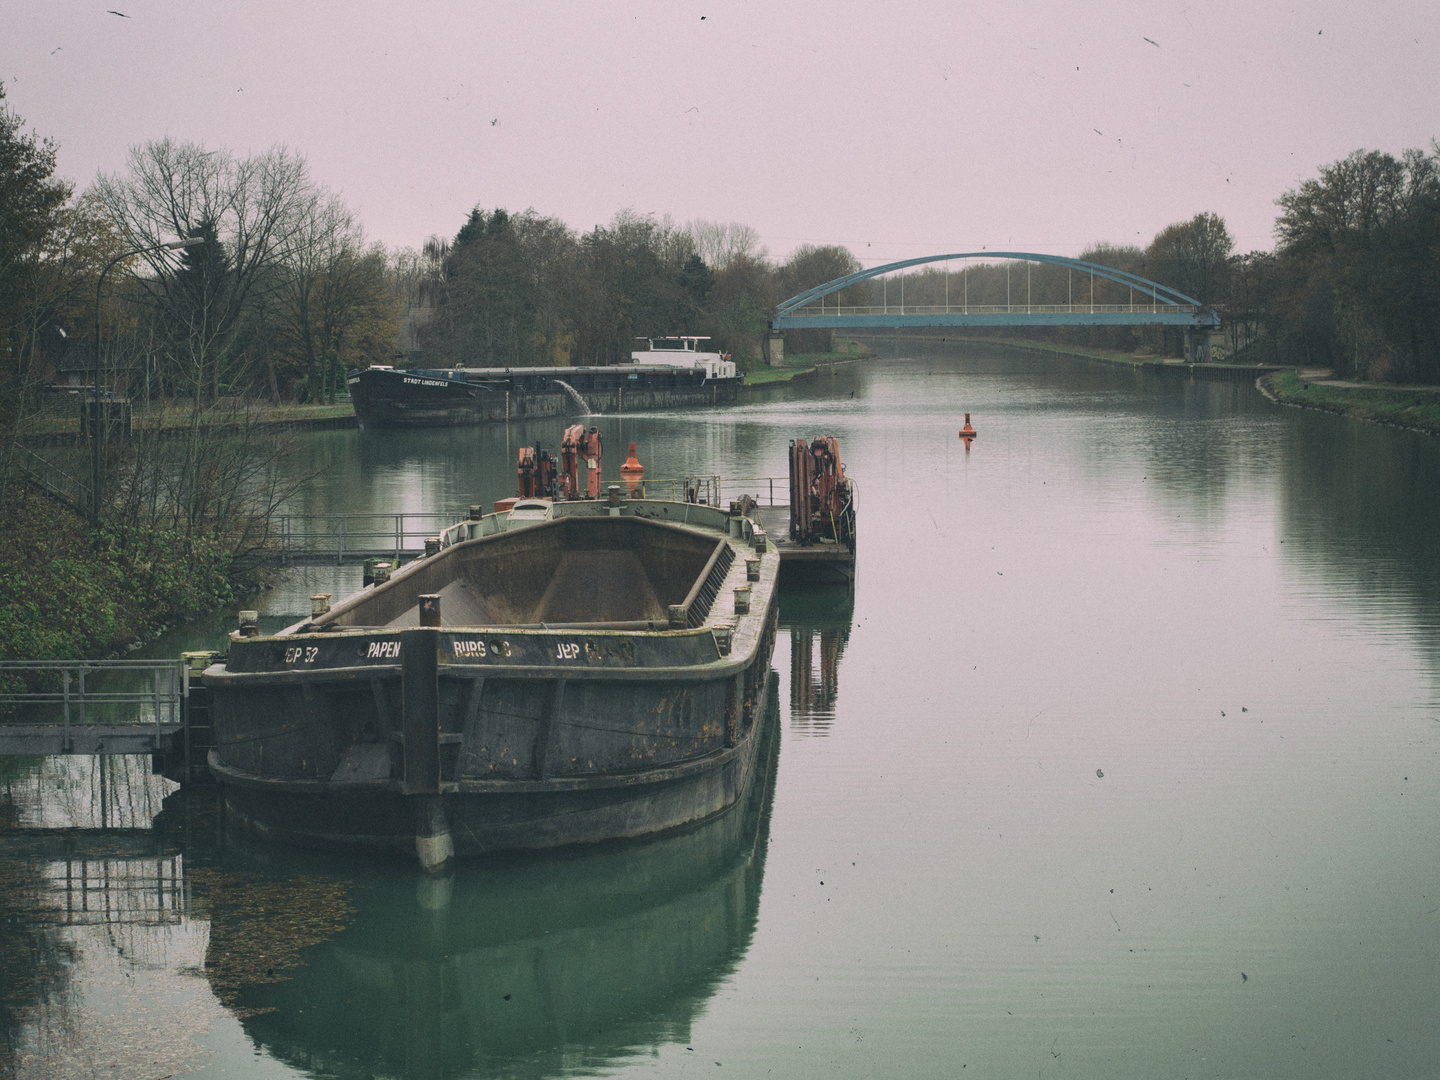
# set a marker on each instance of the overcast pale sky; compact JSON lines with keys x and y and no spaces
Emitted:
{"x":899,"y":129}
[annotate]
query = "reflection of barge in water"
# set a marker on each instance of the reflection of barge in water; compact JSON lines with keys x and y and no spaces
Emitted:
{"x":561,"y":673}
{"x":531,"y":965}
{"x":671,"y":373}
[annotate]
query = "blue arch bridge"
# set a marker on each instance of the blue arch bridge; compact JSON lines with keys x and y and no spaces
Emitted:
{"x":1150,"y":303}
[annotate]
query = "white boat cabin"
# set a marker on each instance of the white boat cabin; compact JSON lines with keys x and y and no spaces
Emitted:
{"x":685,"y":352}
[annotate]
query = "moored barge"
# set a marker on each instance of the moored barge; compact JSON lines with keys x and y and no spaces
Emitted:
{"x":672,"y":372}
{"x":559,"y":673}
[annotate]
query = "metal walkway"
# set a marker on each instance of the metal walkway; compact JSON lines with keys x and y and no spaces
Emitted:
{"x":336,"y":539}
{"x":96,"y":707}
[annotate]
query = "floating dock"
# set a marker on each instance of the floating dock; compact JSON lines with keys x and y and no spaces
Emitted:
{"x":819,"y":558}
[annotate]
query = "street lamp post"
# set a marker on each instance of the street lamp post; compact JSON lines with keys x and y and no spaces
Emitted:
{"x":97,"y":426}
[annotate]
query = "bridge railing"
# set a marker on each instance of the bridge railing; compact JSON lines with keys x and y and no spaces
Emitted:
{"x":832,"y":310}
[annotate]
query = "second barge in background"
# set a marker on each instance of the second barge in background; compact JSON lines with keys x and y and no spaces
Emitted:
{"x":673,"y":372}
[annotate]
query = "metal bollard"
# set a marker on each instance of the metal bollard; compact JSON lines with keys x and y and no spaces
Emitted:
{"x":198,"y":660}
{"x":249,"y":624}
{"x":319,"y":604}
{"x":742,"y":599}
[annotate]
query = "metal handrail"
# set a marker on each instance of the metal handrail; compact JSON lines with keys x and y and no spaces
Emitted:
{"x":51,"y":477}
{"x":166,"y":690}
{"x":713,"y":486}
{"x":403,"y":532}
{"x":987,"y":309}
{"x":406,"y":532}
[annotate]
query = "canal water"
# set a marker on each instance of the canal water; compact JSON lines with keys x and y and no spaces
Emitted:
{"x":1120,"y":760}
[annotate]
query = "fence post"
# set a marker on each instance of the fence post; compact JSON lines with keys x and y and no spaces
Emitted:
{"x":340,"y":540}
{"x":157,"y":709}
{"x":182,"y":700}
{"x":65,"y":683}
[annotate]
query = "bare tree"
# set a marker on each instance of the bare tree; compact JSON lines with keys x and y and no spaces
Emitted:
{"x":249,"y":212}
{"x":323,"y":229}
{"x":221,"y":473}
{"x":721,"y":243}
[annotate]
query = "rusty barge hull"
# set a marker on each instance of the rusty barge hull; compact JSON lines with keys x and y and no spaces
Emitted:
{"x":481,"y":819}
{"x":601,"y":681}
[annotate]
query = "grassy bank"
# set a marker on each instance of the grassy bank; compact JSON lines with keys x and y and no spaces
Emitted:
{"x":1418,"y":409}
{"x":179,"y":416}
{"x":805,"y":363}
{"x":67,"y":593}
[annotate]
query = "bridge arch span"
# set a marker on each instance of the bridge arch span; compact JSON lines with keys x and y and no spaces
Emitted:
{"x":1164,"y":307}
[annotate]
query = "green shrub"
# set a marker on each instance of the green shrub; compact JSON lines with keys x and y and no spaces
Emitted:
{"x":66,"y":592}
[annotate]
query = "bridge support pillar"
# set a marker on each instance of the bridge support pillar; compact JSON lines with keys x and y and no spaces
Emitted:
{"x":775,"y":349}
{"x":1197,"y":345}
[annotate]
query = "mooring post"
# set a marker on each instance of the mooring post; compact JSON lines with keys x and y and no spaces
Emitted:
{"x":420,"y":709}
{"x":420,"y":720}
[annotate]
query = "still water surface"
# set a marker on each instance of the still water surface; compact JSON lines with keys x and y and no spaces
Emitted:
{"x":1121,"y":760}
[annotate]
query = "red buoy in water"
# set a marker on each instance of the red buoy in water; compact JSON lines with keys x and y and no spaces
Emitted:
{"x":967,"y":432}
